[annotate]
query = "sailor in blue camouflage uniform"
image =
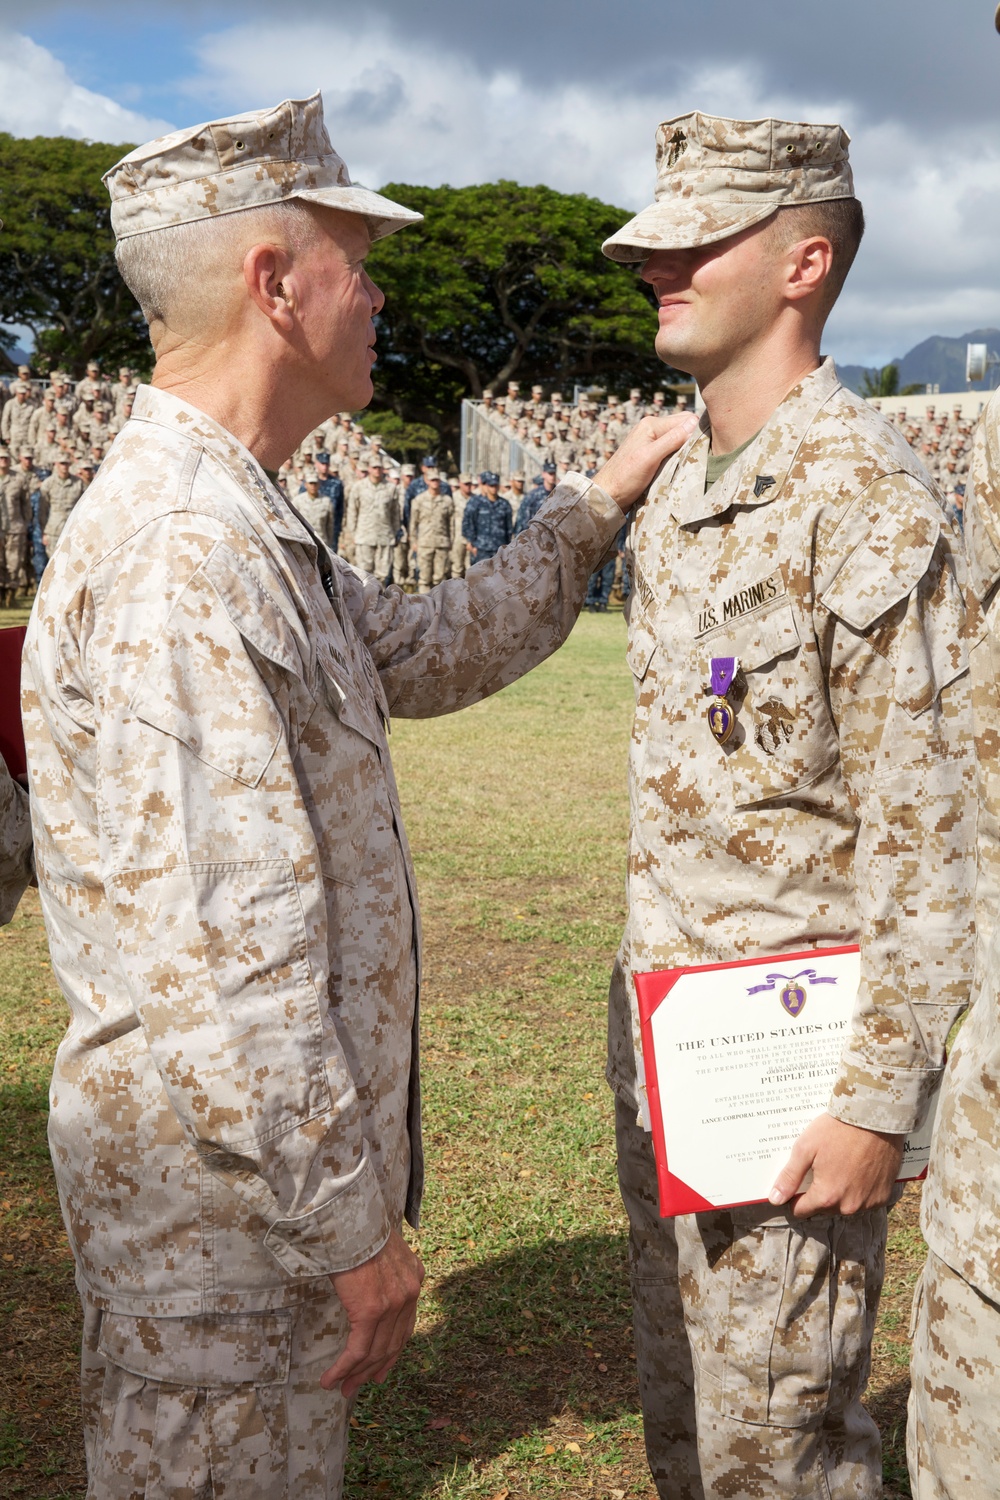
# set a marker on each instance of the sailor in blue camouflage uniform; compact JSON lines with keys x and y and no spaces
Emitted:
{"x":488,"y":523}
{"x":332,"y":487}
{"x":536,"y":498}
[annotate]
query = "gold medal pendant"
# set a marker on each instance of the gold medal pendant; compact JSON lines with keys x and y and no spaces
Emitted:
{"x":721,"y":714}
{"x":721,"y":719}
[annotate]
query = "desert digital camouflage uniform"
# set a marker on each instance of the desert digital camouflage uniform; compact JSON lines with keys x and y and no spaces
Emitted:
{"x":318,"y":511}
{"x":841,"y":811}
{"x":91,"y":387}
{"x":232,"y":917}
{"x":15,"y":843}
{"x":374,"y":518}
{"x":40,"y":419}
{"x":432,"y":532}
{"x":952,"y":1443}
{"x":58,"y":497}
{"x":15,"y":422}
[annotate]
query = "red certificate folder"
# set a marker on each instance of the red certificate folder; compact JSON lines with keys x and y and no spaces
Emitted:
{"x":652,"y":989}
{"x":11,"y":734}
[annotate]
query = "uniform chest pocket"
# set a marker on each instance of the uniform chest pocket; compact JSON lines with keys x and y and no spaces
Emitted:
{"x":341,"y":752}
{"x":784,"y":739}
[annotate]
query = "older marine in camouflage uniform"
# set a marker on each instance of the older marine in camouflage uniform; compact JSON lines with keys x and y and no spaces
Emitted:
{"x":840,"y":811}
{"x":226,"y":882}
{"x":952,"y":1441}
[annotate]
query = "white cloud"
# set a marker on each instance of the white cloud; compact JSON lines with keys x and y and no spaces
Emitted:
{"x":38,"y":97}
{"x":401,"y":111}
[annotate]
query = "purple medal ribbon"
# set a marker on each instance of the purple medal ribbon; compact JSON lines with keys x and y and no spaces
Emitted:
{"x":723,"y":672}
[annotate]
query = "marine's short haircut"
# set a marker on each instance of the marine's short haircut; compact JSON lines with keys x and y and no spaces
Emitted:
{"x":839,"y":220}
{"x":158,"y":265}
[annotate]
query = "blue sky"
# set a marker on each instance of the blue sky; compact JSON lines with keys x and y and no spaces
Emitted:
{"x":570,"y":94}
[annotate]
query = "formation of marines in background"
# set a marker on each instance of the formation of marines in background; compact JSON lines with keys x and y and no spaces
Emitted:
{"x":56,"y":433}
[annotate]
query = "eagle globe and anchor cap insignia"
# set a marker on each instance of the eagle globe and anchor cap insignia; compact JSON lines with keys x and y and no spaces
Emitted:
{"x":794,"y":995}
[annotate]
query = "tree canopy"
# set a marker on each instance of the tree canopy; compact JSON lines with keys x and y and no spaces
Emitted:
{"x":57,"y":266}
{"x":503,"y":281}
{"x":498,"y":281}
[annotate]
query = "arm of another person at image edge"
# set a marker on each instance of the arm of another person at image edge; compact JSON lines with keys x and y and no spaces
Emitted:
{"x":471,"y":636}
{"x":16,"y":865}
{"x":914,"y":870}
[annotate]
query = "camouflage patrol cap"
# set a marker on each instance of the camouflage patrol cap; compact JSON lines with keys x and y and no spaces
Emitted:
{"x":248,"y":161}
{"x":715,"y":177}
{"x":309,"y":476}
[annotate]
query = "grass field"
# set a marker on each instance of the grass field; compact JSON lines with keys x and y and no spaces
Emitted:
{"x":520,"y":1380}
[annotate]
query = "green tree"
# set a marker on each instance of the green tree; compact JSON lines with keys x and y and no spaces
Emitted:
{"x":502,"y":281}
{"x":885,"y":382}
{"x":57,"y":266}
{"x":880,"y":382}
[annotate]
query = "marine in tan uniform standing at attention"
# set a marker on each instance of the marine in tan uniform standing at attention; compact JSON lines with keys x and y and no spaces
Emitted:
{"x":224,"y":874}
{"x":375,"y":515}
{"x":432,"y":532}
{"x":59,"y":493}
{"x":796,"y":534}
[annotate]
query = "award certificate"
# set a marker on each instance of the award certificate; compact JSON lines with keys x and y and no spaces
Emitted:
{"x":739,"y":1059}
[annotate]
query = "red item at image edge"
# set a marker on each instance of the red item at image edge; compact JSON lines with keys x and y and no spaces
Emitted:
{"x":11,"y":733}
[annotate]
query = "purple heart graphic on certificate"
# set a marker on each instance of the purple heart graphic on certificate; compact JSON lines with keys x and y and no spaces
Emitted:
{"x":793,"y":998}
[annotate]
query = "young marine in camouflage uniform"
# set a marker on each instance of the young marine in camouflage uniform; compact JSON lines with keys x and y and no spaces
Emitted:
{"x":226,"y":883}
{"x":796,"y":533}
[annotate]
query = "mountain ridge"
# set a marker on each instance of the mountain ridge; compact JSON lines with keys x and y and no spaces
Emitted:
{"x":937,"y":360}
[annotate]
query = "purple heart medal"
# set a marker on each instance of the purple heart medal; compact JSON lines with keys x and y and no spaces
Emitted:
{"x":721,"y":718}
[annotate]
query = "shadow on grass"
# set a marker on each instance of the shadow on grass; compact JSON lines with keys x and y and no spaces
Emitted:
{"x":531,"y":1342}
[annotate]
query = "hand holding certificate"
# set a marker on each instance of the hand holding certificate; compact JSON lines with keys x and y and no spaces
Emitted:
{"x":740,"y":1060}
